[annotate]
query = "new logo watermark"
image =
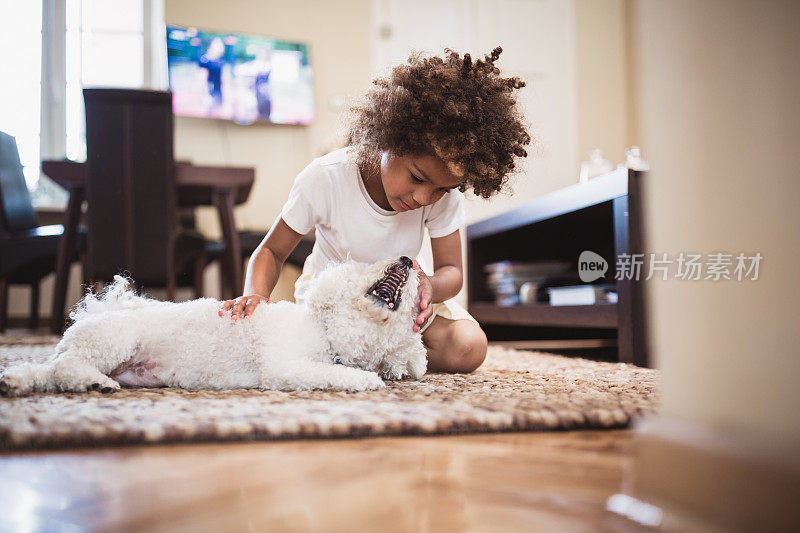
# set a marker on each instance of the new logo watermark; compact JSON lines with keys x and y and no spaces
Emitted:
{"x":689,"y":266}
{"x":591,"y":266}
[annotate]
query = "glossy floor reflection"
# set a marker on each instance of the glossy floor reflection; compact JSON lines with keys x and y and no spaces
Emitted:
{"x":556,"y":481}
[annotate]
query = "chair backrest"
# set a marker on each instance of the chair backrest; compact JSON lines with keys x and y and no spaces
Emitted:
{"x":132,"y":216}
{"x":16,"y":208}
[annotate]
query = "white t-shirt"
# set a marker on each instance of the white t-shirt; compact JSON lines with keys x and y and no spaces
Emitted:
{"x":329,"y":195}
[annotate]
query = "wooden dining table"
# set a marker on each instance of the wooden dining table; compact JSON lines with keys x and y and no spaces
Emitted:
{"x":220,"y":186}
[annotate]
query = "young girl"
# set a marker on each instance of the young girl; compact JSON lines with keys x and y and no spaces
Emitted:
{"x":435,"y":127}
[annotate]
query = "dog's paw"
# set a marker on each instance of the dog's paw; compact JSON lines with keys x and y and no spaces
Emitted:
{"x":417,"y":367}
{"x":363,"y":381}
{"x":373,"y":381}
{"x":106,"y":386}
{"x":11,"y":385}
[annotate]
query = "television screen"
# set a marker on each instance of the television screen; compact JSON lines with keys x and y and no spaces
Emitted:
{"x":244,"y":78}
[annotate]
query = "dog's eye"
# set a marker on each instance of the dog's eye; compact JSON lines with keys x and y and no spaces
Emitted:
{"x":337,"y":360}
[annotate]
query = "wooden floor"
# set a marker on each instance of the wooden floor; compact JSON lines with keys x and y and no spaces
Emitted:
{"x":550,"y":481}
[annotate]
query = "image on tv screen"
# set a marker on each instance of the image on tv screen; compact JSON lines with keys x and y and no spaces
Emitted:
{"x":239,"y":77}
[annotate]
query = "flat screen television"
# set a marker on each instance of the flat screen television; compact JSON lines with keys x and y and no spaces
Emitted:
{"x":239,"y":77}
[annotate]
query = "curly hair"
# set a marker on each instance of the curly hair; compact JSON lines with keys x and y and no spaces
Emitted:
{"x":461,"y":111}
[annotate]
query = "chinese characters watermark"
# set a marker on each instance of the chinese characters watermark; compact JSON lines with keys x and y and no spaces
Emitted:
{"x":685,"y":266}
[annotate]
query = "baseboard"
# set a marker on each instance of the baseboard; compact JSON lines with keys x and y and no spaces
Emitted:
{"x":715,"y":479}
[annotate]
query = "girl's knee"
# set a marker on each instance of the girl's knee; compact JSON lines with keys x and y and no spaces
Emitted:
{"x":468,"y":347}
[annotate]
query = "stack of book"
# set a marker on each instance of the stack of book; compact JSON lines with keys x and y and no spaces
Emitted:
{"x":505,"y":278}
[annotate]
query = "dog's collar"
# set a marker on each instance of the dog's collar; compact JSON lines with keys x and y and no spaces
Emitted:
{"x":337,"y":360}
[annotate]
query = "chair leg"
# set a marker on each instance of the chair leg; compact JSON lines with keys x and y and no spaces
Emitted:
{"x":243,"y":266}
{"x":172,"y":288}
{"x":33,"y":322}
{"x":199,"y":267}
{"x":85,"y":269}
{"x":3,"y":304}
{"x":224,"y":279}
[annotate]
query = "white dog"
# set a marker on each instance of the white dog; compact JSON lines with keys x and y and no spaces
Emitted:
{"x":355,"y":324}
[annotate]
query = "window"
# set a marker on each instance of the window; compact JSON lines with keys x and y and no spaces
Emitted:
{"x":105,"y":48}
{"x":21,"y":39}
{"x":60,"y":47}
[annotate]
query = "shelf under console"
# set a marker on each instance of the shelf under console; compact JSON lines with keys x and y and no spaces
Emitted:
{"x":601,"y":315}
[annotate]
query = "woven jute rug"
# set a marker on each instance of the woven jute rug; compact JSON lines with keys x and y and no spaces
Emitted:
{"x":512,"y":391}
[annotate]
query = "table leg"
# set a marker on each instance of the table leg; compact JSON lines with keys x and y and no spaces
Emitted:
{"x":233,"y":246}
{"x":33,"y":322}
{"x":66,"y":250}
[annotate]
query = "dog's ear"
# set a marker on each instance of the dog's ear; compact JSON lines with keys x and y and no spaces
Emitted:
{"x":322,"y":291}
{"x":371,"y":310}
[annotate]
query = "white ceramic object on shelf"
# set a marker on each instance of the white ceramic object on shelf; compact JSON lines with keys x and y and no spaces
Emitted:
{"x":633,"y":159}
{"x":596,"y":166}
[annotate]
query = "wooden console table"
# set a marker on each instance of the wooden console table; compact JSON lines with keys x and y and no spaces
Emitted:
{"x":604,"y":216}
{"x":223,"y":187}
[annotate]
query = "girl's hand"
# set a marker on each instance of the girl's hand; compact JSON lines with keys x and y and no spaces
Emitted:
{"x":424,"y":296}
{"x":243,"y":306}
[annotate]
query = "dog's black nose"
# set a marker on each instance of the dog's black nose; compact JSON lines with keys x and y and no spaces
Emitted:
{"x":406,"y":262}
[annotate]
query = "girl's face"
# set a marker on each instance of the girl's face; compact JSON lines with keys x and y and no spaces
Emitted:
{"x":411,"y":182}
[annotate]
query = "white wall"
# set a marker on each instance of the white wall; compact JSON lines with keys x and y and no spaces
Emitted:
{"x":601,"y":49}
{"x":718,"y":83}
{"x":538,"y":41}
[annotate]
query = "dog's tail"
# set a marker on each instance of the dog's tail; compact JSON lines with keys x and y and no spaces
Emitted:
{"x":118,"y":295}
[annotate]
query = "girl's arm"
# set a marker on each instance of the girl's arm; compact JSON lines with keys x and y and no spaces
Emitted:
{"x":447,"y":277}
{"x":263,"y":270}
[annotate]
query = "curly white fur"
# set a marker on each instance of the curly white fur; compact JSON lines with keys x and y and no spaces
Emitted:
{"x":339,"y":339}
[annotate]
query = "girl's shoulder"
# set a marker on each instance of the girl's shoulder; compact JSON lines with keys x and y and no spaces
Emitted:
{"x":332,"y":169}
{"x":452,"y":200}
{"x":342,"y":157}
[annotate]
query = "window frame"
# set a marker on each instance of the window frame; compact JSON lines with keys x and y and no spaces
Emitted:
{"x":53,"y":113}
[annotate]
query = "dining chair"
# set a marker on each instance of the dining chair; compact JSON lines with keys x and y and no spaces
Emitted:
{"x":132,"y":210}
{"x":27,"y":250}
